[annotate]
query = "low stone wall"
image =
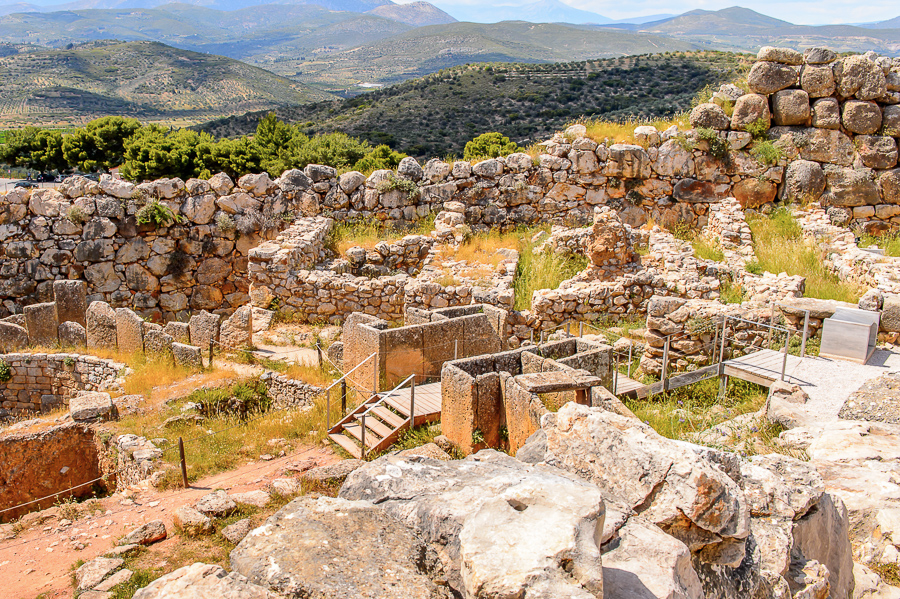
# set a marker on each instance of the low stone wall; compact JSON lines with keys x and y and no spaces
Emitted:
{"x":136,"y":459}
{"x":42,"y":382}
{"x":287,"y":393}
{"x":41,"y":463}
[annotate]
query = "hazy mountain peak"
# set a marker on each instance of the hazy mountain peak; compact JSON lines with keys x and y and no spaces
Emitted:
{"x":418,"y":13}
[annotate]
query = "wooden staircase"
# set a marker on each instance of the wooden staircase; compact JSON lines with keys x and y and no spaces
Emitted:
{"x":387,"y":414}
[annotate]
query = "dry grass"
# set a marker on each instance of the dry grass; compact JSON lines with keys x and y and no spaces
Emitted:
{"x":483,"y":248}
{"x":707,"y":249}
{"x":368,"y":233}
{"x":311,"y":374}
{"x":623,"y":132}
{"x":780,"y":247}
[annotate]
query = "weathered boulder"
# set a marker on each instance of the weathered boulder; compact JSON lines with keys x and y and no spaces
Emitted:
{"x":409,"y":168}
{"x":860,"y":77}
{"x":826,"y":114}
{"x":503,"y":527}
{"x":216,"y":504}
{"x":234,"y":533}
{"x":890,"y":314}
{"x":12,"y":337}
{"x":832,"y":147}
{"x":95,"y":571}
{"x":891,"y":120}
{"x":101,"y":325}
{"x":368,"y":553}
{"x":201,"y":581}
{"x":237,"y":330}
{"x":187,"y":355}
{"x":674,"y":161}
{"x":331,"y":476}
{"x":199,"y":209}
{"x":780,"y":55}
{"x":221,"y":184}
{"x":610,"y":242}
{"x":868,"y":585}
{"x":191,"y":522}
{"x":42,"y":323}
{"x":849,"y":187}
{"x":769,"y":77}
{"x":877,"y":151}
{"x":92,"y":406}
{"x":294,"y":181}
{"x":709,"y":116}
{"x":817,"y":80}
{"x":146,"y":534}
{"x":204,"y":327}
{"x":676,"y":487}
{"x":749,"y":109}
{"x":791,"y":107}
{"x":819,"y":56}
{"x":179,"y":331}
{"x":804,"y":181}
{"x":256,"y":184}
{"x":862,"y":118}
{"x":72,"y":334}
{"x":158,"y":342}
{"x":71,"y":300}
{"x":753,"y":192}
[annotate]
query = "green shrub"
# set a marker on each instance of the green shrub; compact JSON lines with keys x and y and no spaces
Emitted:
{"x":766,"y":152}
{"x":718,"y":147}
{"x":489,"y":145}
{"x":225,"y":222}
{"x":754,"y":268}
{"x":77,"y":215}
{"x":5,"y":371}
{"x":393,"y":182}
{"x":157,"y":214}
{"x":758,"y":128}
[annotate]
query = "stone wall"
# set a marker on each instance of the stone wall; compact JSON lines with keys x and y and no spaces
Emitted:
{"x":288,"y":393}
{"x":42,"y":382}
{"x":39,"y":463}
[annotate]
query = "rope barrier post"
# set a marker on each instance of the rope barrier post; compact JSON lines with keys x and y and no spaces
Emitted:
{"x":343,"y":396}
{"x":184,"y":479}
{"x":568,"y":325}
{"x":805,"y":333}
{"x":211,"y":341}
{"x":412,"y":404}
{"x":665,"y":366}
{"x":319,"y":354}
{"x":456,"y":349}
{"x":581,"y":329}
{"x":362,"y":433}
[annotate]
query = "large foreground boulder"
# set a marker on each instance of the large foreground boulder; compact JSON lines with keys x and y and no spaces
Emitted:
{"x":503,"y":528}
{"x":200,"y":581}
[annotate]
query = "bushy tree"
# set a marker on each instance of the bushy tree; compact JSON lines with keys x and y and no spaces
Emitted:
{"x":153,"y":152}
{"x":33,"y":148}
{"x":381,"y":157}
{"x":489,"y":145}
{"x":99,"y":145}
{"x":334,"y":149}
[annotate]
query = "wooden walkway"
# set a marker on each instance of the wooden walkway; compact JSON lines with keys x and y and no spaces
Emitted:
{"x":386,"y":416}
{"x":762,"y":367}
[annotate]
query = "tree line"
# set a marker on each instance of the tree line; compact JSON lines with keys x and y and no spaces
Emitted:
{"x":146,"y":152}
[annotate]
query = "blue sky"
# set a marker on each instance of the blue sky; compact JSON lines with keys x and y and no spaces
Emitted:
{"x":808,"y":12}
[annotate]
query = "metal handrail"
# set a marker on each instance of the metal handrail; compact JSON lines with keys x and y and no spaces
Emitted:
{"x":381,"y":398}
{"x":349,"y":372}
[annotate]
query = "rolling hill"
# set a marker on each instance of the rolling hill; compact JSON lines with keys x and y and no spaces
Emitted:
{"x":542,"y":11}
{"x":437,"y":114}
{"x":417,"y":14}
{"x":146,"y":80}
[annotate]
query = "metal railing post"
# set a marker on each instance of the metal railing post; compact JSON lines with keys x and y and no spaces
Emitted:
{"x":343,"y":397}
{"x":328,"y":410}
{"x":183,"y":462}
{"x":362,"y":433}
{"x":715,"y":345}
{"x":456,"y":349}
{"x":375,"y":377}
{"x":412,"y":404}
{"x":784,"y":360}
{"x":568,"y":327}
{"x":771,"y":326}
{"x":665,"y":365}
{"x":581,"y":329}
{"x":630,"y":358}
{"x":805,"y":333}
{"x":722,"y":345}
{"x":616,"y":376}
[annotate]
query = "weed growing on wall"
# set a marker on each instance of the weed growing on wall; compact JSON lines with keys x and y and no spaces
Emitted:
{"x":157,"y":214}
{"x":5,"y":371}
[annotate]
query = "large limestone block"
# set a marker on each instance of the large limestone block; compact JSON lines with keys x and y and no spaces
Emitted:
{"x":709,"y":116}
{"x":748,"y":109}
{"x":12,"y":337}
{"x":791,"y":107}
{"x":71,"y":300}
{"x":890,"y":313}
{"x":146,"y":534}
{"x":156,"y":341}
{"x":826,"y":114}
{"x":877,"y":151}
{"x":889,"y":186}
{"x":72,"y":334}
{"x":179,"y":331}
{"x":187,"y":355}
{"x":221,"y":184}
{"x":674,"y":161}
{"x":863,"y":118}
{"x":677,"y":485}
{"x":753,"y":192}
{"x":42,"y":323}
{"x":204,"y":327}
{"x":769,"y":77}
{"x":804,"y":181}
{"x":501,"y":526}
{"x":92,"y":406}
{"x":129,"y":331}
{"x":191,"y":522}
{"x":823,"y":535}
{"x":780,"y":55}
{"x":858,"y":76}
{"x":868,"y":585}
{"x":96,"y":571}
{"x":203,"y":581}
{"x":216,"y":504}
{"x":891,"y":120}
{"x":828,"y":146}
{"x":628,"y":161}
{"x":199,"y":209}
{"x":819,"y":56}
{"x":369,"y":553}
{"x":646,"y":563}
{"x":101,"y":325}
{"x":849,"y":187}
{"x":817,"y":80}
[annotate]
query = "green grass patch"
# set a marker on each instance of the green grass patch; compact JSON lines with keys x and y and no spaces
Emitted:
{"x":780,"y":247}
{"x":731,"y":293}
{"x":707,"y":249}
{"x":545,"y":270}
{"x":889,"y":242}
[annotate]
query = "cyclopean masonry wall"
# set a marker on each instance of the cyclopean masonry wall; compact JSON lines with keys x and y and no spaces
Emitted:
{"x":835,"y":120}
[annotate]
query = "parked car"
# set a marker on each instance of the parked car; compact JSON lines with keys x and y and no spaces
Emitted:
{"x":25,"y":184}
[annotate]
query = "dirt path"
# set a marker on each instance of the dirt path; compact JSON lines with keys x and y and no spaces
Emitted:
{"x":39,"y":561}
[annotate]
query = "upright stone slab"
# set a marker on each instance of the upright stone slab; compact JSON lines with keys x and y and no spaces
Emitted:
{"x":42,"y":323}
{"x":179,"y":331}
{"x":72,"y":334}
{"x":71,"y":301}
{"x":101,"y":325}
{"x":158,"y":342}
{"x":204,"y":327}
{"x":129,"y":331}
{"x":12,"y":337}
{"x":187,"y":355}
{"x":237,"y":330}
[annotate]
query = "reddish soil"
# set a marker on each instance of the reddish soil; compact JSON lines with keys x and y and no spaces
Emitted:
{"x":40,"y":559}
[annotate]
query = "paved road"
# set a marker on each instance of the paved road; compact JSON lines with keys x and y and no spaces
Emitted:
{"x":7,"y":184}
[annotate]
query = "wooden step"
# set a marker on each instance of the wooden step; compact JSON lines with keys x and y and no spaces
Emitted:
{"x":371,"y":438}
{"x":401,"y":405}
{"x":346,"y":443}
{"x":392,"y":418}
{"x":376,"y":425}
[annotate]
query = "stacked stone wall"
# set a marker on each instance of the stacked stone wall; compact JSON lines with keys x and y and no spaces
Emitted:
{"x":288,"y":393}
{"x":42,"y":382}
